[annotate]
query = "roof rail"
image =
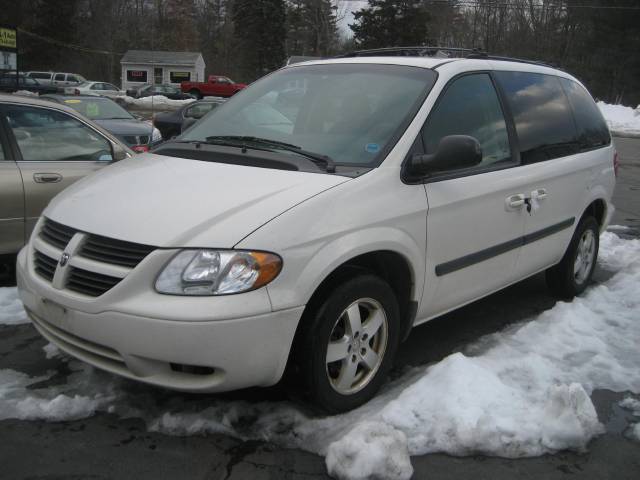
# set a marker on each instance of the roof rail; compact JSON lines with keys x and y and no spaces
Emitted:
{"x":421,"y":51}
{"x":484,"y":56}
{"x":438,"y":52}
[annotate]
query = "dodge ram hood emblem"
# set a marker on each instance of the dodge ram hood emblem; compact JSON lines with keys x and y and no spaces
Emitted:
{"x":64,"y":259}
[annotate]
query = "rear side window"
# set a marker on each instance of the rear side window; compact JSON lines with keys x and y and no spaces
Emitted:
{"x":40,"y":76}
{"x":59,"y":77}
{"x":543,"y":118}
{"x":470,"y":106}
{"x":592,"y":129}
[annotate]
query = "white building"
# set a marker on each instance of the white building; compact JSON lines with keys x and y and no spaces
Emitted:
{"x":144,"y":66}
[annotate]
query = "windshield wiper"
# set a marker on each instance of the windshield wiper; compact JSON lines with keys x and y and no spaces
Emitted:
{"x":242,"y":140}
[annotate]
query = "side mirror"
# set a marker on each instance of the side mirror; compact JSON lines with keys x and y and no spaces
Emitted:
{"x":119,"y":153}
{"x":454,"y":152}
{"x":188,"y":122}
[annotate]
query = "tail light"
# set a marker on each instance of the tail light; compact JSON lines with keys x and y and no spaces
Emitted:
{"x":616,"y":163}
{"x":140,"y":148}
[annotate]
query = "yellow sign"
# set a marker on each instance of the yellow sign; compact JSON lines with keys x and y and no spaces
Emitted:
{"x":7,"y":38}
{"x":73,"y":101}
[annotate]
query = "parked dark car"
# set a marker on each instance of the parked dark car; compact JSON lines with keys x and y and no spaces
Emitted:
{"x":8,"y":84}
{"x":170,"y":91}
{"x":171,"y":124}
{"x":137,"y":134}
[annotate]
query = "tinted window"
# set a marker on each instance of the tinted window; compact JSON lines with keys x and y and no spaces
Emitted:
{"x":470,"y":106}
{"x":44,"y":134}
{"x":592,"y":129}
{"x":59,"y":77}
{"x":42,"y":76}
{"x":96,"y":86}
{"x":544,"y":122}
{"x":73,"y":78}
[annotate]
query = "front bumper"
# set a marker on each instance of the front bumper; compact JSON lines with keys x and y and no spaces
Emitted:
{"x":196,"y":356}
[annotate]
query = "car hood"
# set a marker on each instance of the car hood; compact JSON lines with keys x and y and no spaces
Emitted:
{"x":125,"y":126}
{"x":173,"y":202}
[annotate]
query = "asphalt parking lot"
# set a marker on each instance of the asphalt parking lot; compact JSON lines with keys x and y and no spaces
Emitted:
{"x":106,"y":446}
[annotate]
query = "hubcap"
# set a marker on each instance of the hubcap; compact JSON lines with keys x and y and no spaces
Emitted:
{"x":356,"y":346}
{"x":584,"y":257}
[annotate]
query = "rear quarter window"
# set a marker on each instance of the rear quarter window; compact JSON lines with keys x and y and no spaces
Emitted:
{"x":592,"y":128}
{"x":542,"y":115}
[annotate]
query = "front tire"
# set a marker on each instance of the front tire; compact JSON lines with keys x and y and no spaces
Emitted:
{"x":571,"y":276}
{"x":348,"y":343}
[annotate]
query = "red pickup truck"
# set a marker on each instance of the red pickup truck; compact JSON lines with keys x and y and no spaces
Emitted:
{"x":217,"y":86}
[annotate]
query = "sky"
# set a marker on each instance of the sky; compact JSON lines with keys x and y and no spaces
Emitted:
{"x":345,"y":13}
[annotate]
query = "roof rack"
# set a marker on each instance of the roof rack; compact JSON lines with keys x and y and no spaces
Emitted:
{"x":436,"y":52}
{"x":421,"y":51}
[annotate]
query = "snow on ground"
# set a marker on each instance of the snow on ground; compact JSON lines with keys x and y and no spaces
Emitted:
{"x":520,"y":392}
{"x":633,"y":405}
{"x":158,"y":102}
{"x":11,"y":311}
{"x":621,"y":120}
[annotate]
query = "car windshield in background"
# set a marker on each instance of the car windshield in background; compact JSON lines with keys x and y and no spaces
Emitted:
{"x":98,"y":108}
{"x":350,"y":112}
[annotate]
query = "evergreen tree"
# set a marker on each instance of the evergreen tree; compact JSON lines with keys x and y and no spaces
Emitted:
{"x":389,"y":23}
{"x":311,"y":27}
{"x":260,"y":31}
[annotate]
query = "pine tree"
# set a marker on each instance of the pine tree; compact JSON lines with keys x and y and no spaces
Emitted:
{"x":311,"y":27}
{"x":390,"y":23}
{"x":260,"y":32}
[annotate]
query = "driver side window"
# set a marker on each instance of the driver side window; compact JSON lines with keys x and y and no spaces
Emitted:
{"x":470,"y":106}
{"x":48,"y":135}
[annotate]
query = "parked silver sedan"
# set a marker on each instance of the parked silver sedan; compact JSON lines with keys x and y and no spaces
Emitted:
{"x":44,"y":148}
{"x":101,"y":89}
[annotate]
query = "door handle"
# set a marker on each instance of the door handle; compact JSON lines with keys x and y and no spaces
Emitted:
{"x":47,"y":177}
{"x":539,"y":194}
{"x":515,"y":202}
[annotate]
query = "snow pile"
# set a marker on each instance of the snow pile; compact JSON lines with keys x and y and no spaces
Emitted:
{"x":633,"y":405}
{"x":25,"y":93}
{"x":521,"y":392}
{"x":621,"y":120}
{"x":11,"y":311}
{"x":158,"y":102}
{"x":19,"y":399}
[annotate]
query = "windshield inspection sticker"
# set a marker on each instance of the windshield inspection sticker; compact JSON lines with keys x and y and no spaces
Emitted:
{"x":372,"y":147}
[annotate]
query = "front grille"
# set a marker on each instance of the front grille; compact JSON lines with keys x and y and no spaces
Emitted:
{"x":117,"y":252}
{"x":45,"y":266}
{"x":90,"y":283}
{"x":104,"y":250}
{"x":56,"y":234}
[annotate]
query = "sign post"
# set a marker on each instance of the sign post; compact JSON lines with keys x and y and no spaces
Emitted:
{"x":9,"y":51}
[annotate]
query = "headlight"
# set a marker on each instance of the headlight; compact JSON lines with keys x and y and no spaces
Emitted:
{"x":217,"y":272}
{"x":156,"y":136}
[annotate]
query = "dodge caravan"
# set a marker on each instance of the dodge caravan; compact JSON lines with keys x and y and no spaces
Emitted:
{"x":312,"y":235}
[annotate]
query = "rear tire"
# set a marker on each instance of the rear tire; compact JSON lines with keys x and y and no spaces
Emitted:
{"x":347,"y":343}
{"x":571,"y":276}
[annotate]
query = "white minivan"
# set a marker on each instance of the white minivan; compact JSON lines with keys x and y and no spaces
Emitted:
{"x":310,"y":221}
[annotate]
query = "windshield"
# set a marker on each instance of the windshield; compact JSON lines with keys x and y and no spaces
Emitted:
{"x":98,"y":109}
{"x":352,"y":113}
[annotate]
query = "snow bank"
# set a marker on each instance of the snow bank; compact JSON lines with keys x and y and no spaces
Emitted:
{"x":11,"y":311}
{"x":621,"y":120}
{"x":633,"y":405}
{"x":158,"y":102}
{"x":521,"y":392}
